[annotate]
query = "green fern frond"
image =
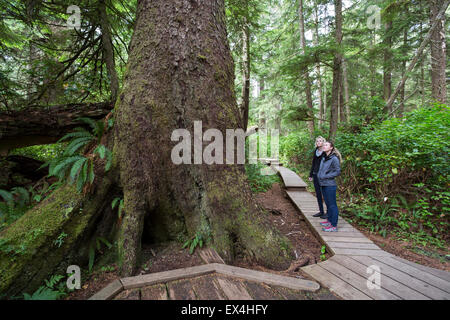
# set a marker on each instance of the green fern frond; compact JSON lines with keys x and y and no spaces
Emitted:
{"x":60,"y":168}
{"x":77,"y":134}
{"x":7,"y":196}
{"x":75,"y":145}
{"x":92,"y":123}
{"x":24,"y":195}
{"x":77,"y":167}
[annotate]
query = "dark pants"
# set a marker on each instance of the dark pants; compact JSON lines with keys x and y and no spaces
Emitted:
{"x":329,"y":194}
{"x":318,"y":193}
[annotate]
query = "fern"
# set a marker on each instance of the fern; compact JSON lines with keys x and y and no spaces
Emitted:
{"x":78,"y":133}
{"x":48,"y":291}
{"x":7,"y":196}
{"x":98,"y":127}
{"x":75,"y":145}
{"x":92,"y":249}
{"x":114,"y":204}
{"x":76,"y":168}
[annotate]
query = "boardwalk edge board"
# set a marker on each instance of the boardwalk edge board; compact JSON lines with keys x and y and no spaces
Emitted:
{"x":166,"y":276}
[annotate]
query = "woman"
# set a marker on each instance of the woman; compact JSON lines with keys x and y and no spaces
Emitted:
{"x":317,"y":157}
{"x":330,"y":168}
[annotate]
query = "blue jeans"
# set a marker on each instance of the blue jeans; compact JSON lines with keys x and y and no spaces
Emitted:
{"x":329,"y":194}
{"x":318,"y":193}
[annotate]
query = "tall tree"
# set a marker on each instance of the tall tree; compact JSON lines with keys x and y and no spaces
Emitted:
{"x":438,"y":53}
{"x":108,"y":49}
{"x":337,"y":70}
{"x":245,"y":72}
{"x":309,"y":102}
{"x":387,"y":63}
{"x":318,"y":73}
{"x":425,"y":41}
{"x":181,"y":71}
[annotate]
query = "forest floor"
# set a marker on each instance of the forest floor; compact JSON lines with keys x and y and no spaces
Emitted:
{"x":171,"y":255}
{"x":287,"y":219}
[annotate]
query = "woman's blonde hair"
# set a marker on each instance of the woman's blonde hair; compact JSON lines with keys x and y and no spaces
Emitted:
{"x":321,"y":138}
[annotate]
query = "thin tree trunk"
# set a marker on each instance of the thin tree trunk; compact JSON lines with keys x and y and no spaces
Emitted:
{"x":245,"y":73}
{"x":319,"y":77}
{"x":337,"y":65}
{"x":401,"y":109}
{"x":387,"y":65}
{"x":108,"y":50}
{"x":309,"y":103}
{"x":438,"y":53}
{"x":325,"y":97}
{"x":346,"y":89}
{"x":419,"y":52}
{"x":262,"y":115}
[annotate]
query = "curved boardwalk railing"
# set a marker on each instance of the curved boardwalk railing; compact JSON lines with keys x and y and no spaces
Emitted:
{"x":347,"y":272}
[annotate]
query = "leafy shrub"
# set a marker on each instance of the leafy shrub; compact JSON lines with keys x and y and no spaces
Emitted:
{"x":259,"y":182}
{"x":399,"y":153}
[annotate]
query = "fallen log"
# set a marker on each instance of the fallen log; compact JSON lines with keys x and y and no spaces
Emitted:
{"x":43,"y":125}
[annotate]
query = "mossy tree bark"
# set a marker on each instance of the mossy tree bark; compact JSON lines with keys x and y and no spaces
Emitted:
{"x":180,"y":70}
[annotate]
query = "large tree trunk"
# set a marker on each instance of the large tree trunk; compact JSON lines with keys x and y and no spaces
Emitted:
{"x":438,"y":53}
{"x":43,"y":125}
{"x":337,"y":72}
{"x":309,"y":103}
{"x":180,"y":70}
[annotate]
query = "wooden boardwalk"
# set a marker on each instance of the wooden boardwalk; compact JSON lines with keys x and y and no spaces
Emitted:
{"x":212,"y":281}
{"x":347,"y":272}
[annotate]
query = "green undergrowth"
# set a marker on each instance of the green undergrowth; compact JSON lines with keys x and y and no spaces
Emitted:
{"x":258,"y":178}
{"x":394,"y":176}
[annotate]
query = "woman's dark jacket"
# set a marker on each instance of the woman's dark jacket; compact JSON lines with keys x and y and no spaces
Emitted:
{"x":315,"y":163}
{"x":329,"y":169}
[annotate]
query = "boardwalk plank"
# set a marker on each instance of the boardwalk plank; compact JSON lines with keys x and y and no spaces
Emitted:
{"x":290,"y":178}
{"x":207,"y":288}
{"x":181,"y":290}
{"x":357,"y":281}
{"x":335,"y":284}
{"x":445,"y":275}
{"x":386,"y":282}
{"x":362,"y":252}
{"x":332,"y":238}
{"x":417,"y":273}
{"x":233,"y":289}
{"x":156,"y":292}
{"x":352,"y":245}
{"x":406,"y":279}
